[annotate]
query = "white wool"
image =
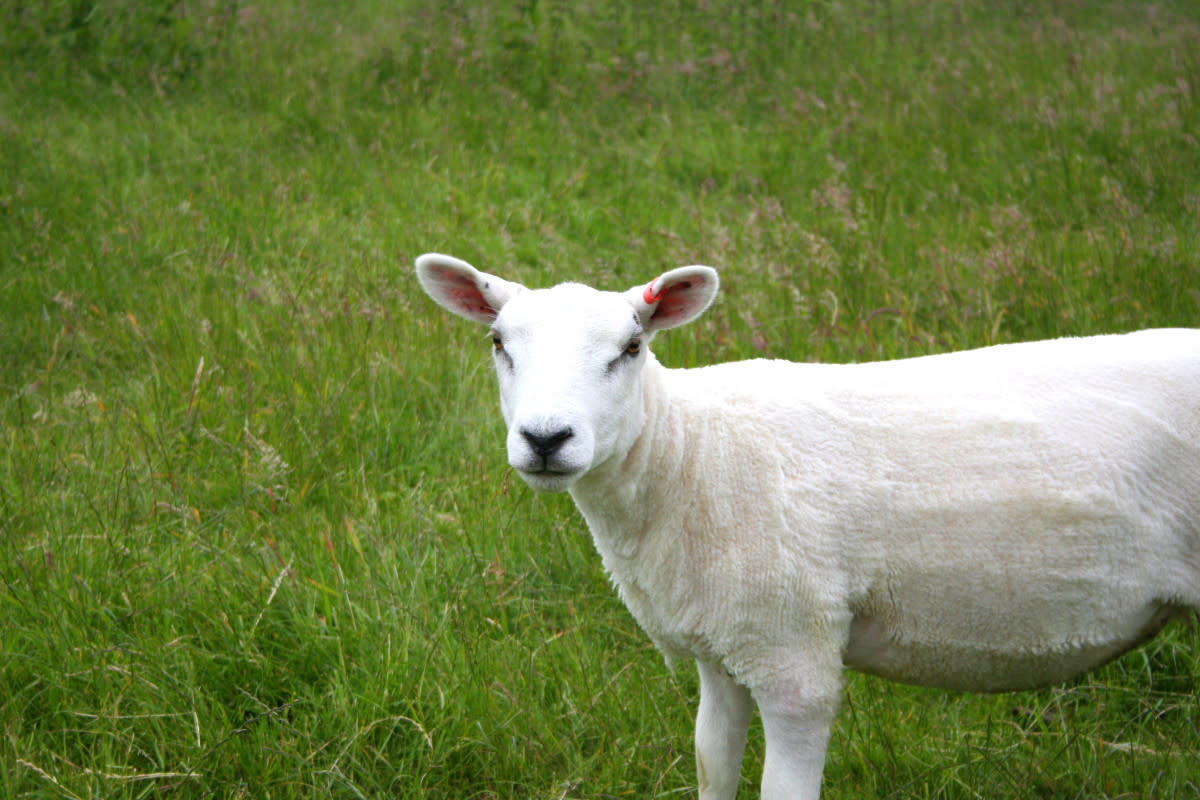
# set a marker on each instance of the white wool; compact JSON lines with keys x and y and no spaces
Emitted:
{"x":988,"y":520}
{"x":993,"y":520}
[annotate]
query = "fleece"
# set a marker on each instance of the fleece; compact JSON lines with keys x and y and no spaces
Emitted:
{"x":995,"y":519}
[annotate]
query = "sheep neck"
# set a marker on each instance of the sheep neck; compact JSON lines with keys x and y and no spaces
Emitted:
{"x":620,"y":498}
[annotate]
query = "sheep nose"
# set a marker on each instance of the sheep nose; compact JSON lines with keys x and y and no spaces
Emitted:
{"x":548,"y":444}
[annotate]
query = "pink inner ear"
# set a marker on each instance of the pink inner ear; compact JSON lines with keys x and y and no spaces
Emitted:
{"x":676,"y":299}
{"x":462,"y":292}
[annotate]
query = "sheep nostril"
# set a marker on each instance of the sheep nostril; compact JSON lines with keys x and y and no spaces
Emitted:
{"x":546,"y":445}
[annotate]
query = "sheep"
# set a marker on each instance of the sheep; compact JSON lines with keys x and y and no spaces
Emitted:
{"x":987,"y":520}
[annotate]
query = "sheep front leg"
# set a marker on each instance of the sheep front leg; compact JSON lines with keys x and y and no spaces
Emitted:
{"x":721,"y":724}
{"x":797,"y":731}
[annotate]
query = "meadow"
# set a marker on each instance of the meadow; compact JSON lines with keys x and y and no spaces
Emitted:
{"x":257,"y":534}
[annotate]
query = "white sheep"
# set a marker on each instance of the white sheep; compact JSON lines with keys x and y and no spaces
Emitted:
{"x":989,"y":520}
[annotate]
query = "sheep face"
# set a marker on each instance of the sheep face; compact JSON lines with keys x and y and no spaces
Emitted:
{"x":568,"y":359}
{"x":568,"y":362}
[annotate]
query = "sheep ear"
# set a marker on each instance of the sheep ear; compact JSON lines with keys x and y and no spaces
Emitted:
{"x":461,"y":289}
{"x":675,"y":297}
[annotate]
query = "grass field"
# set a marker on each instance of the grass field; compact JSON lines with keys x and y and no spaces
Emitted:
{"x":258,"y":534}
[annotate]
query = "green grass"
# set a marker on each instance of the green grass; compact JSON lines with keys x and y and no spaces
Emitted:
{"x":259,"y":539}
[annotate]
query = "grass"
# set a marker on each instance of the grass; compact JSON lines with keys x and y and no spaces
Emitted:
{"x":259,"y":539}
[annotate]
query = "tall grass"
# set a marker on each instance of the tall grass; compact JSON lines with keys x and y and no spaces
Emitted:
{"x":259,"y":539}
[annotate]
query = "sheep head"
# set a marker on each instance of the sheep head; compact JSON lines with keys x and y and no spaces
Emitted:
{"x":569,"y":359}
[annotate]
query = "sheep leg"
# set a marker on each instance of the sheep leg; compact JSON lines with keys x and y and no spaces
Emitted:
{"x":721,"y":724}
{"x":797,"y":733}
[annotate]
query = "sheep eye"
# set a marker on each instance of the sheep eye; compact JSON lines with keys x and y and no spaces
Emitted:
{"x":635,"y":346}
{"x":496,"y":343}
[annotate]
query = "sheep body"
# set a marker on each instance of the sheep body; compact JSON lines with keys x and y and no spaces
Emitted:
{"x":956,"y":520}
{"x":993,"y":519}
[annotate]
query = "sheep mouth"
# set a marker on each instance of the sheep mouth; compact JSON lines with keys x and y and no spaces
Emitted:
{"x":549,"y":479}
{"x":546,"y":467}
